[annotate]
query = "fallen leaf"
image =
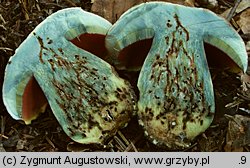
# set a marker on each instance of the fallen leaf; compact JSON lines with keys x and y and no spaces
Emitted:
{"x":244,"y":21}
{"x":113,"y":9}
{"x":245,"y":79}
{"x":238,"y":133}
{"x":244,"y":4}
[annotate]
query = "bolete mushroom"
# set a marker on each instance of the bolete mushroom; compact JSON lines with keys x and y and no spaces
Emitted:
{"x":166,"y":43}
{"x":61,"y":62}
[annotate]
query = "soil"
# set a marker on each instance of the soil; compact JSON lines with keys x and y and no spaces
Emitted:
{"x":19,"y":17}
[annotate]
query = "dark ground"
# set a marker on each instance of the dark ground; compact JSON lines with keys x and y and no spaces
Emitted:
{"x":18,"y":19}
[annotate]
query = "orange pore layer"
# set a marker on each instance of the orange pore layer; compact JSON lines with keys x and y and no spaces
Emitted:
{"x":219,"y":60}
{"x":93,"y":43}
{"x":33,"y":100}
{"x":134,"y":55}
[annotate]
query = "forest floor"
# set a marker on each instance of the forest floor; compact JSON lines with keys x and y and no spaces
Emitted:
{"x":230,"y":130}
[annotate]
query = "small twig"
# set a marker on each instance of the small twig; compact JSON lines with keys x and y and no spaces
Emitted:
{"x":243,"y":97}
{"x":192,"y":146}
{"x":247,"y":149}
{"x":2,"y":26}
{"x":133,"y":145}
{"x":38,"y":7}
{"x":123,"y":137}
{"x":232,"y":11}
{"x":24,"y":9}
{"x":6,"y":49}
{"x":214,"y":126}
{"x":133,"y":142}
{"x":4,"y":136}
{"x":235,"y":103}
{"x":120,"y":145}
{"x":245,"y":110}
{"x":1,"y":17}
{"x":50,"y":142}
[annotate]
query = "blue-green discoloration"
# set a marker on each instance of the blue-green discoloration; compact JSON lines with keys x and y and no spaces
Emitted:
{"x":176,"y":100}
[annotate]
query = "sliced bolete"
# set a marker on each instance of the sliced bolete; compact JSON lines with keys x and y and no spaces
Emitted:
{"x":61,"y":62}
{"x":176,"y":100}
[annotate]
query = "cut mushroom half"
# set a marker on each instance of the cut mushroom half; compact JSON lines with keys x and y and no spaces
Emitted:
{"x":61,"y":62}
{"x":176,"y":101}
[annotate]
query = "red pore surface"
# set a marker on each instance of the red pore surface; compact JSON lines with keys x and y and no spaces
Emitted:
{"x":93,"y":43}
{"x":133,"y":56}
{"x":33,"y":100}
